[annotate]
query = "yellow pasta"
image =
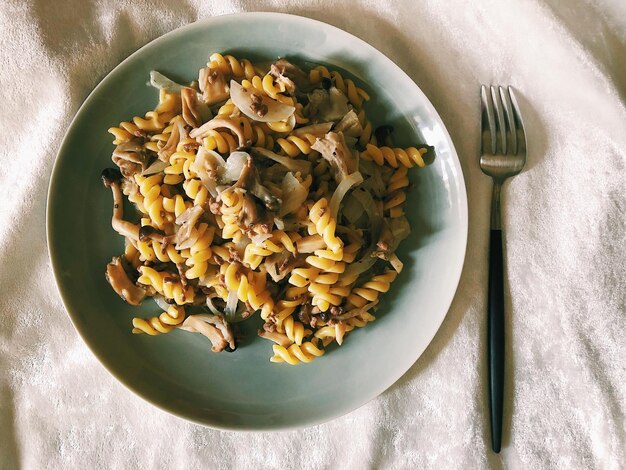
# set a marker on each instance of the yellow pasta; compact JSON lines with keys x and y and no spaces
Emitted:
{"x":395,"y":157}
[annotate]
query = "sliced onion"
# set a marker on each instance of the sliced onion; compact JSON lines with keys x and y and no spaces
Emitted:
{"x":321,"y":128}
{"x":373,"y":213}
{"x":342,"y":188}
{"x":293,"y":164}
{"x":241,"y":245}
{"x":160,"y":81}
{"x":212,"y":307}
{"x":234,"y":166}
{"x":357,"y":268}
{"x":231,"y":305}
{"x":294,"y":194}
{"x":160,"y":301}
{"x":242,"y":98}
{"x":157,"y":167}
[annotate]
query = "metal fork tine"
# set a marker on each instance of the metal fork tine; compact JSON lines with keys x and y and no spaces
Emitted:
{"x":510,"y":118}
{"x":500,"y":116}
{"x":487,"y":106}
{"x":519,"y":123}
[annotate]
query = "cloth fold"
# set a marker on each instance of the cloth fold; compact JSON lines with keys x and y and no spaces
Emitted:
{"x":564,"y":219}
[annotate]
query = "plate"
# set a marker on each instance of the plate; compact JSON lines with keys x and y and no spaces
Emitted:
{"x":177,"y":372}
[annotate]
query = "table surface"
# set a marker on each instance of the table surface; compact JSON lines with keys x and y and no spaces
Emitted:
{"x":564,"y":218}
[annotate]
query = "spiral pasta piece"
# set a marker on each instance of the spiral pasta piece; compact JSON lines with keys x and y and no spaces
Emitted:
{"x":395,"y":157}
{"x":371,"y":290}
{"x":164,"y":323}
{"x":166,"y":285}
{"x":325,"y":225}
{"x":296,"y":145}
{"x":295,"y":354}
{"x":229,"y":65}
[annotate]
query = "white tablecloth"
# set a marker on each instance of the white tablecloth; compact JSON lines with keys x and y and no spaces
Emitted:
{"x":565,"y":218}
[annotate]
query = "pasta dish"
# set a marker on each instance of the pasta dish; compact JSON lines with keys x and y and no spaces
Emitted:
{"x":260,"y":189}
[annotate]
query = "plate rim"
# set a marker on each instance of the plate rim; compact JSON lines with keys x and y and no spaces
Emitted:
{"x":54,"y":260}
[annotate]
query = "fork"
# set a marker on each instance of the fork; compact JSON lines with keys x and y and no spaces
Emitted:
{"x":503,"y":154}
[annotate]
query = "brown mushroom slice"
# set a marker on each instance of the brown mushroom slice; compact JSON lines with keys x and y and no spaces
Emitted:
{"x":187,"y":221}
{"x":250,"y":181}
{"x":329,"y":105}
{"x":278,"y":338}
{"x":130,"y":157}
{"x":334,"y":149}
{"x":178,"y":133}
{"x":285,"y":71}
{"x":118,"y":278}
{"x":258,"y":106}
{"x":111,"y":179}
{"x":148,"y":232}
{"x":213,"y":86}
{"x":195,"y":112}
{"x":218,"y":123}
{"x":254,"y":218}
{"x":214,"y":327}
{"x":349,"y":125}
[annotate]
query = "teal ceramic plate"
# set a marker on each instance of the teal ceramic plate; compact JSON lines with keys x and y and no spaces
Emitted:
{"x":243,"y":390}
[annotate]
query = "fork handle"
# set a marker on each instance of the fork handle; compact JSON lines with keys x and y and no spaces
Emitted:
{"x":495,"y":337}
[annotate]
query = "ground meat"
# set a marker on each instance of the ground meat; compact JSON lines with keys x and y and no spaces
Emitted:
{"x":257,"y":106}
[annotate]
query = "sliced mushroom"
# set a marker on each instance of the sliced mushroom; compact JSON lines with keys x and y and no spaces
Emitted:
{"x":254,"y":218}
{"x":281,"y":78}
{"x":251,"y":182}
{"x":278,"y":338}
{"x":178,"y":133}
{"x":118,"y":278}
{"x":130,"y":157}
{"x":187,"y":221}
{"x":283,"y":70}
{"x":349,"y":125}
{"x":111,"y":179}
{"x":334,"y":149}
{"x":214,"y":327}
{"x":257,"y":106}
{"x":213,"y":85}
{"x":218,"y":123}
{"x":195,"y":112}
{"x":328,"y":105}
{"x":148,"y":232}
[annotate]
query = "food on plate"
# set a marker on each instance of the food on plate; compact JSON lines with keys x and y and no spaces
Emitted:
{"x":261,"y":189}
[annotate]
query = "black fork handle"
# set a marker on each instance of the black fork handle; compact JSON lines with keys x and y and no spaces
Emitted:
{"x":495,"y":337}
